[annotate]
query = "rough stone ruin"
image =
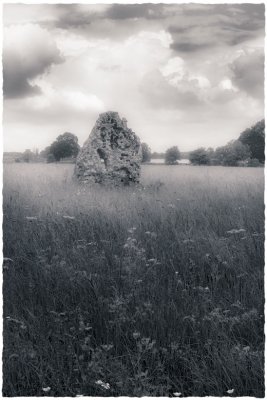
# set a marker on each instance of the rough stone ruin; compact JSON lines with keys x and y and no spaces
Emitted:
{"x":111,"y":154}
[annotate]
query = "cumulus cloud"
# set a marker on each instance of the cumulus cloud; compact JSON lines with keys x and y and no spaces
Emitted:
{"x":248,"y":73}
{"x":28,"y":51}
{"x":168,"y":68}
{"x":160,"y":93}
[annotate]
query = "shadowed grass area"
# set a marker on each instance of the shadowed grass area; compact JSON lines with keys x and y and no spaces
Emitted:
{"x":145,"y":291}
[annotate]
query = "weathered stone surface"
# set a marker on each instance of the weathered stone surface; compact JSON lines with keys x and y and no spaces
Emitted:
{"x":111,"y":154}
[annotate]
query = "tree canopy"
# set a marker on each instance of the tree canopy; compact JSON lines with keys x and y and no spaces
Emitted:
{"x":254,"y":138}
{"x":146,"y":152}
{"x":65,"y":145}
{"x":199,"y":156}
{"x":232,"y":153}
{"x":172,"y":155}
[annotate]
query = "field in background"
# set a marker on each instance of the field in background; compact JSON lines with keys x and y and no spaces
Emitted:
{"x":151,"y":291}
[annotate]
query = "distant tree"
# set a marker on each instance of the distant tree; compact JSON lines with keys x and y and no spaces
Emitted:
{"x":254,"y":138}
{"x":199,"y":156}
{"x":254,"y":162}
{"x":44,"y":153}
{"x":172,"y":155}
{"x":157,"y":155}
{"x":50,"y":158}
{"x":232,"y":153}
{"x":66,"y":145}
{"x":146,"y":152}
{"x":28,"y":155}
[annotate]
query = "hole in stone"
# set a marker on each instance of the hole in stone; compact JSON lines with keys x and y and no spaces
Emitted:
{"x":102,"y":156}
{"x":124,"y":175}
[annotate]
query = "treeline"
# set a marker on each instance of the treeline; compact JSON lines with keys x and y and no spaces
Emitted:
{"x":247,"y":150}
{"x":64,"y":147}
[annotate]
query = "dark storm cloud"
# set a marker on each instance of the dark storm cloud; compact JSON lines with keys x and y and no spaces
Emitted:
{"x":130,"y":11}
{"x":15,"y":79}
{"x":188,"y":47}
{"x":194,"y":27}
{"x":248,"y":73}
{"x":215,"y":25}
{"x":72,"y":16}
{"x":83,"y":15}
{"x":28,"y":52}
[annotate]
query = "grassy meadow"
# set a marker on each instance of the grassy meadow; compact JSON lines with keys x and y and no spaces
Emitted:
{"x":155,"y":290}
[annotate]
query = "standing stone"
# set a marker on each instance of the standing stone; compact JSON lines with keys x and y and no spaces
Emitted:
{"x":111,"y":154}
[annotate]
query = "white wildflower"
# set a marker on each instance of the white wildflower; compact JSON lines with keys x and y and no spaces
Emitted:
{"x":236,"y":231}
{"x":230,"y":391}
{"x":46,"y":389}
{"x":188,"y":241}
{"x":103,"y":384}
{"x":136,"y":335}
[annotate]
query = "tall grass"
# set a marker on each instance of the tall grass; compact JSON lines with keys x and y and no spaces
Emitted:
{"x":149,"y":291}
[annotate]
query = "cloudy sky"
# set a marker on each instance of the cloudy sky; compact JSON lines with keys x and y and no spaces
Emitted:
{"x":189,"y":75}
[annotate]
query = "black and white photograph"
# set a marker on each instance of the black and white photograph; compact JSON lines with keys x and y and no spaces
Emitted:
{"x":133,"y":199}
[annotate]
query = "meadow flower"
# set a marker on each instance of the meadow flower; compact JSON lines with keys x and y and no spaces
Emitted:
{"x":107,"y":347}
{"x":177,"y":394}
{"x":103,"y":384}
{"x":230,"y":391}
{"x":136,"y":335}
{"x":46,"y":389}
{"x":31,"y":218}
{"x":188,"y":241}
{"x":32,"y":354}
{"x":68,"y":217}
{"x":236,"y":231}
{"x":152,"y":260}
{"x":131,"y":230}
{"x":81,"y":246}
